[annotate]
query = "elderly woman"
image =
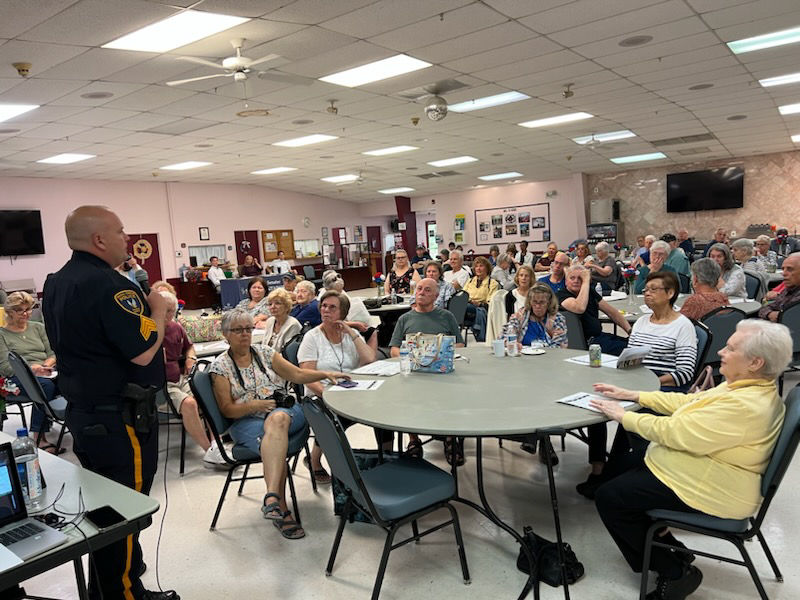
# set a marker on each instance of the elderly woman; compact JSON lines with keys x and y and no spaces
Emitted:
{"x":306,"y":310}
{"x":279,"y":327}
{"x":733,"y":282}
{"x":401,"y":276}
{"x":337,"y":346}
{"x":256,"y":301}
{"x":29,"y":339}
{"x":494,"y":253}
{"x":480,"y":288}
{"x":707,"y":454}
{"x":744,"y":254}
{"x":250,"y":268}
{"x":604,"y":268}
{"x":582,"y":255}
{"x":517,"y":296}
{"x":540,"y":323}
{"x":358,"y":316}
{"x":763,"y":254}
{"x":706,"y":296}
{"x":659,"y":251}
{"x":501,"y":272}
{"x":245,"y":379}
{"x":433,"y":270}
{"x":642,"y":256}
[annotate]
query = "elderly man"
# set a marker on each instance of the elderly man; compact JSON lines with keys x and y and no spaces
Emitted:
{"x":676,"y":258}
{"x":604,"y":268}
{"x":289,"y":283}
{"x":790,"y":293}
{"x":719,"y":238}
{"x":544,"y":263}
{"x":659,"y":252}
{"x":685,"y":243}
{"x":556,"y":278}
{"x":643,"y":257}
{"x":458,"y":274}
{"x":783,"y":245}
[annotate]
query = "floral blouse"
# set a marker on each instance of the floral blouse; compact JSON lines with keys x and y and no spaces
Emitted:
{"x":260,"y":308}
{"x":255,"y":384}
{"x":401,"y":283}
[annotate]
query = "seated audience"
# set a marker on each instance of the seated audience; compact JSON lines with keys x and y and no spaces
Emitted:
{"x":790,"y":293}
{"x":245,"y":379}
{"x":306,"y":310}
{"x":523,"y":257}
{"x":604,"y":267}
{"x":676,"y":258}
{"x":289,"y":283}
{"x":444,"y":258}
{"x":642,"y":258}
{"x":763,"y":254}
{"x":401,"y":276}
{"x":129,"y":268}
{"x":517,"y":296}
{"x":582,"y":254}
{"x":783,"y":245}
{"x":215,"y":273}
{"x":280,"y":264}
{"x":501,"y":272}
{"x":685,"y":243}
{"x":733,"y":282}
{"x":358,"y":316}
{"x":511,"y":250}
{"x":706,"y":296}
{"x":179,"y":359}
{"x":743,"y":254}
{"x":540,"y":323}
{"x":163,"y":286}
{"x":707,"y":452}
{"x":494,"y":252}
{"x":659,"y":251}
{"x":29,"y":339}
{"x":256,"y":301}
{"x":556,"y":280}
{"x":420,"y":257}
{"x":433,"y":270}
{"x":480,"y":288}
{"x":458,"y":275}
{"x":546,"y":261}
{"x":639,"y":247}
{"x":279,"y":327}
{"x":720,"y":237}
{"x":250,"y":268}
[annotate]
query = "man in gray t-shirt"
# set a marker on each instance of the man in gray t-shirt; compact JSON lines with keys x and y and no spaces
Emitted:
{"x":424,"y":317}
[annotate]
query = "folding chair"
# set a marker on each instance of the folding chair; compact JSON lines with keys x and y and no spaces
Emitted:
{"x":704,"y":340}
{"x":754,"y":286}
{"x":736,"y":531}
{"x":200,"y":382}
{"x":685,"y":282}
{"x":458,"y":306}
{"x":393,"y":493}
{"x":722,"y":323}
{"x":791,"y":318}
{"x":575,"y":337}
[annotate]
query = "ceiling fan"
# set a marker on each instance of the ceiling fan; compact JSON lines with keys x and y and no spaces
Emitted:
{"x":239,"y":66}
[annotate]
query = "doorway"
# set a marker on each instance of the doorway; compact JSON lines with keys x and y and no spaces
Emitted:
{"x":430,"y":234}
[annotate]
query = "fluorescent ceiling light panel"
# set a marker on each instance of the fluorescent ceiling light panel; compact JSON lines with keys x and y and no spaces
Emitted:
{"x":341,"y":178}
{"x":273,"y":171}
{"x":392,"y":150}
{"x":376,"y":71}
{"x":488,"y":101}
{"x":789,"y":109}
{"x":497,"y":176}
{"x":623,"y":160}
{"x":449,"y":162}
{"x":65,"y":159}
{"x":604,"y":137}
{"x":768,"y":40}
{"x":780,"y":80}
{"x":399,"y":190}
{"x":189,"y":164}
{"x":568,"y":118}
{"x":306,"y":140}
{"x":796,"y":138}
{"x":178,"y":30}
{"x":9,"y":111}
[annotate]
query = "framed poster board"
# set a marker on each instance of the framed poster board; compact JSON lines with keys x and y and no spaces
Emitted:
{"x":508,"y":224}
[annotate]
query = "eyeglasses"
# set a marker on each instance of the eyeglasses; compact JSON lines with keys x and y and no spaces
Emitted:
{"x":539,"y":302}
{"x":21,"y":311}
{"x":651,"y":290}
{"x":241,"y":330}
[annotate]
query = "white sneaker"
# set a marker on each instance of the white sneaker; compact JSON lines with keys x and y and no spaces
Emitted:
{"x":213,"y":457}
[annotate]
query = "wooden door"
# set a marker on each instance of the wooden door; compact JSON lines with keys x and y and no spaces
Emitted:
{"x":374,"y":238}
{"x":247,"y":243}
{"x":144,"y":247}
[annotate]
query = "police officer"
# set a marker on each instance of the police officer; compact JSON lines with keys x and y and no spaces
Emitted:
{"x":107,"y":335}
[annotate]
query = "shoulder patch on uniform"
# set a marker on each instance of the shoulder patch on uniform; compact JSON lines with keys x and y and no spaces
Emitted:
{"x":129,"y":301}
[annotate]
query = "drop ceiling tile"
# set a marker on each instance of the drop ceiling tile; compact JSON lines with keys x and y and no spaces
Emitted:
{"x":28,"y":14}
{"x":581,"y":12}
{"x":18,"y":143}
{"x":41,"y":56}
{"x":523,"y":8}
{"x":385,"y":15}
{"x":759,"y":26}
{"x":148,"y":98}
{"x":118,"y":90}
{"x":194,"y":105}
{"x":53,"y":131}
{"x":144,"y":121}
{"x":512,"y":53}
{"x":528,"y":66}
{"x":97,"y":63}
{"x":315,"y":11}
{"x":479,"y":42}
{"x":737,"y":15}
{"x":97,"y":117}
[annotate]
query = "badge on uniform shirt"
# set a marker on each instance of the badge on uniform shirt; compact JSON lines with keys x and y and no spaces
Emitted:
{"x":130,"y":302}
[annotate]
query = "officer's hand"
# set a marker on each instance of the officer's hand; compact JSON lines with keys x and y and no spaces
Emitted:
{"x":158,"y":304}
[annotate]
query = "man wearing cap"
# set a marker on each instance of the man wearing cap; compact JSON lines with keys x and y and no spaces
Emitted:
{"x":677,"y":258}
{"x":289,"y":283}
{"x":783,"y":245}
{"x":418,"y":261}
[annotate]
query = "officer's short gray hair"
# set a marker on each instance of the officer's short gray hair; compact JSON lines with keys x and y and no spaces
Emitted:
{"x":236,"y":316}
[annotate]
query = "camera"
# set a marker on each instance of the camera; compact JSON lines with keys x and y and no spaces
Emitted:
{"x":282,"y":399}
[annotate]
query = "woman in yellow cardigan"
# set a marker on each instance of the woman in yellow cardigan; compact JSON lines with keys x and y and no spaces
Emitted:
{"x":481,"y":287}
{"x":707,"y":451}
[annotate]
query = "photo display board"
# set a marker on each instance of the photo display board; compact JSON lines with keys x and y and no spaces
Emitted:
{"x":529,"y":222}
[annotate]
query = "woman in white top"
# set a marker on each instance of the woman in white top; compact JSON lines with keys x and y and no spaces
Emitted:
{"x":515,"y":299}
{"x":733,"y":282}
{"x":332,"y":343}
{"x":523,"y":257}
{"x":358,"y":316}
{"x":279,"y":326}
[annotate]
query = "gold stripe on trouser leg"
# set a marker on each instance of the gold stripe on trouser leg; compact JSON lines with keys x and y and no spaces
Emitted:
{"x":137,"y":485}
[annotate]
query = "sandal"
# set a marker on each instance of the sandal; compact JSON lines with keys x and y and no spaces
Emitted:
{"x":453,"y":452}
{"x":272,"y":510}
{"x":51,"y":449}
{"x":289,"y":527}
{"x":321,"y":476}
{"x":414,"y":449}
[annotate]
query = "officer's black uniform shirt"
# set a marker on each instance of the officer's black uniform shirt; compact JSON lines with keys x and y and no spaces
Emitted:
{"x":97,"y":321}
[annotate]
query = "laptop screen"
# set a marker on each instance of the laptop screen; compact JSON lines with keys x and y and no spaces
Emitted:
{"x":12,"y":505}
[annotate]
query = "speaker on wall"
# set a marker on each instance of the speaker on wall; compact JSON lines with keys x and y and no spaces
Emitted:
{"x":615,"y":210}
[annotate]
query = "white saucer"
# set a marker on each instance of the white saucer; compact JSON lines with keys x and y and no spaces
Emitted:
{"x":532,"y":351}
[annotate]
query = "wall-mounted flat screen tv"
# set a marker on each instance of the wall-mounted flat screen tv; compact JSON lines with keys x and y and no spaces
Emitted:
{"x":21,"y":232}
{"x":713,"y":189}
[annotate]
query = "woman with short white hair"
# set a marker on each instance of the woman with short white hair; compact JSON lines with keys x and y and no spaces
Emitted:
{"x":733,"y":282}
{"x":763,"y":254}
{"x":659,"y":251}
{"x":743,"y":253}
{"x":604,"y":267}
{"x":707,"y":451}
{"x":306,"y":308}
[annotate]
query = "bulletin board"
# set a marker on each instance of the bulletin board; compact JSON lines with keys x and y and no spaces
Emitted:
{"x":508,"y":224}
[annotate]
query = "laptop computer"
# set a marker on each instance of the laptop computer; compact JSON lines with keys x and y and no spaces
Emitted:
{"x":19,"y":533}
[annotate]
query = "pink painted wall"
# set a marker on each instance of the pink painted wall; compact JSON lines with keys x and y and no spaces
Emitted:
{"x":174,"y":211}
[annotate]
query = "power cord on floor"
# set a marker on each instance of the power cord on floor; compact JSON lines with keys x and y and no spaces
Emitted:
{"x":166,"y":507}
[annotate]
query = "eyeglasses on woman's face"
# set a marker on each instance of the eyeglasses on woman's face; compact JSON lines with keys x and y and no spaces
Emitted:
{"x":21,"y":311}
{"x":651,"y":289}
{"x":241,"y":330}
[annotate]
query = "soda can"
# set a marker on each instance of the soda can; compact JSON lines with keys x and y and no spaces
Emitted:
{"x":595,"y":355}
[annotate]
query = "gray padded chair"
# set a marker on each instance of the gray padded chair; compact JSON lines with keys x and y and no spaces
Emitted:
{"x":575,"y":337}
{"x":458,"y":306}
{"x":393,"y":493}
{"x":754,"y":286}
{"x":722,"y":323}
{"x":203,"y":391}
{"x":736,"y":531}
{"x":790,"y":317}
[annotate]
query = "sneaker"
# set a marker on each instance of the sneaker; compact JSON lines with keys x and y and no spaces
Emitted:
{"x":670,"y":539}
{"x":589,"y":487}
{"x":157,"y":595}
{"x":677,"y":589}
{"x":212,"y":459}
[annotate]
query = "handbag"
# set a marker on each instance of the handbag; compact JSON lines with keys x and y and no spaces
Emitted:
{"x":431,"y":353}
{"x":365,"y":460}
{"x":546,"y":561}
{"x":705,"y":381}
{"x":202,"y":329}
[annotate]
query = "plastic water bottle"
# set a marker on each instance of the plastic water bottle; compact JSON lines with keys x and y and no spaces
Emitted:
{"x":405,"y":359}
{"x":26,"y":456}
{"x":394,"y":296}
{"x":511,"y":337}
{"x":598,"y":288}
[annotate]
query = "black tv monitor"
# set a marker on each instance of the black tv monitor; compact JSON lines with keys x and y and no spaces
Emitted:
{"x":713,"y":189}
{"x":21,"y":233}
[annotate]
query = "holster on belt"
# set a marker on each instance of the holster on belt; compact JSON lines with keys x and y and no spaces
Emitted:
{"x":139,"y":409}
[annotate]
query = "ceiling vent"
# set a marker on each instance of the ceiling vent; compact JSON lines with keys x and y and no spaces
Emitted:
{"x":686,"y":139}
{"x":434,"y":89}
{"x":436,"y":174}
{"x":690,"y":151}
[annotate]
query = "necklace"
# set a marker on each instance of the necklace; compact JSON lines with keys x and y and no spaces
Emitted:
{"x":339,"y":359}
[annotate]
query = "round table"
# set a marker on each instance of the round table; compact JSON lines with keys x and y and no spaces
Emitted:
{"x":631,"y":310}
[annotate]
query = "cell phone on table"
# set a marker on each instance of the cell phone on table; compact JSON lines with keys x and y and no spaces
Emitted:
{"x":104,"y":517}
{"x":347,"y":384}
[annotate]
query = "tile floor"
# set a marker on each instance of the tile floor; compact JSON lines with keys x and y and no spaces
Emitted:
{"x":246,"y":556}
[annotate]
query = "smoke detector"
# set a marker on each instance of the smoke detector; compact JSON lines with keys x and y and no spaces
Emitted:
{"x":23,"y":68}
{"x":332,"y":108}
{"x":567,"y":92}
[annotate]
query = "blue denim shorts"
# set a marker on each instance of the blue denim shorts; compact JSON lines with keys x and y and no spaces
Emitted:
{"x":247,"y":432}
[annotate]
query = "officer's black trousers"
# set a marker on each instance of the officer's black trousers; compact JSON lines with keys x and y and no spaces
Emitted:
{"x":105,"y":445}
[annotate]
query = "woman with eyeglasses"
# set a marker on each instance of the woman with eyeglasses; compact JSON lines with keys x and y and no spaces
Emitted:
{"x":540,"y":322}
{"x":401,"y":276}
{"x":245,"y":379}
{"x":29,"y":339}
